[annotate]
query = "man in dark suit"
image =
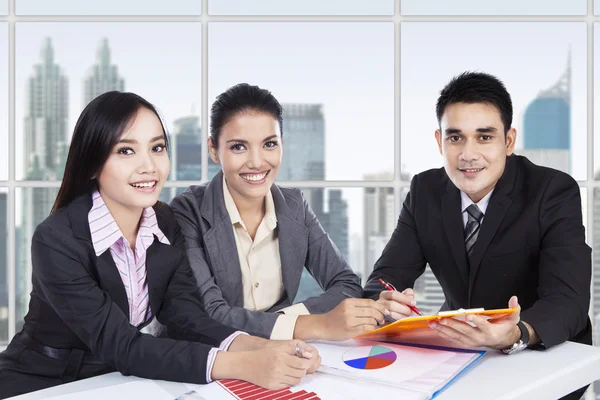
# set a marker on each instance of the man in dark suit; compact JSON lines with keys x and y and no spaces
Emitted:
{"x":492,"y":226}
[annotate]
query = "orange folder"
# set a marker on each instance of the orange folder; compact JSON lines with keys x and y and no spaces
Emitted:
{"x":411,"y":327}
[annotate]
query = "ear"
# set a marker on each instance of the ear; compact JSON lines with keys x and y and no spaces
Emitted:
{"x":438,"y":139}
{"x":511,"y":140}
{"x":212,"y":149}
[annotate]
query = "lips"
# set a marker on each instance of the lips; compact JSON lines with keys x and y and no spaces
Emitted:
{"x":255,"y":177}
{"x":144,"y":184}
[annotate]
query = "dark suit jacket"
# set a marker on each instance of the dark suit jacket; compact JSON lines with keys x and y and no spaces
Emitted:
{"x":211,"y":245}
{"x":78,"y":301}
{"x":531,"y":244}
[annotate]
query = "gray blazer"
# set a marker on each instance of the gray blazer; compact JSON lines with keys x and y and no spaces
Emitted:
{"x":211,"y":250}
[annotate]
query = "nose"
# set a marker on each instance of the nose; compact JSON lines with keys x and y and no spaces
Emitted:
{"x":147,"y":165}
{"x":469,"y":151}
{"x":255,"y":159}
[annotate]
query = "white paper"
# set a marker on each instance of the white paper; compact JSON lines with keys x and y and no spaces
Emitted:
{"x":143,"y":390}
{"x":413,"y":368}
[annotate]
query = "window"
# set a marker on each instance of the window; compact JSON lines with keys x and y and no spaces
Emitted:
{"x":305,"y":7}
{"x":108,"y":7}
{"x":505,"y":7}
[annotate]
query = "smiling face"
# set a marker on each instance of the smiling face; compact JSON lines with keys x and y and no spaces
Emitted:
{"x":134,"y":174}
{"x":249,"y":151}
{"x":474,"y":147}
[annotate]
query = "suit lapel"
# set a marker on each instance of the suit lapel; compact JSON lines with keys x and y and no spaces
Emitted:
{"x":293,"y":243}
{"x":219,"y":243}
{"x":159,"y":258}
{"x":111,"y":282}
{"x":453,"y":226}
{"x":106,"y":271}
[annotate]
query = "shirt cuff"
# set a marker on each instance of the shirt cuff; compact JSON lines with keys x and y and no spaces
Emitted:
{"x":284,"y":327}
{"x":212,"y":354}
{"x":296,"y":309}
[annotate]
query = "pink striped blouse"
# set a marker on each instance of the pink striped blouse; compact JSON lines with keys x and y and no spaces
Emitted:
{"x":131,"y":266}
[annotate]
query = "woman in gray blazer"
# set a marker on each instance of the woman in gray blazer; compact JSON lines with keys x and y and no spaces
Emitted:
{"x":248,"y":240}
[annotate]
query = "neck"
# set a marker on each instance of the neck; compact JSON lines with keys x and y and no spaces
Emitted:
{"x":248,"y":205}
{"x":127,"y":219}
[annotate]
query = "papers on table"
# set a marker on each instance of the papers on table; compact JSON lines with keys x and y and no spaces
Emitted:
{"x":143,"y":390}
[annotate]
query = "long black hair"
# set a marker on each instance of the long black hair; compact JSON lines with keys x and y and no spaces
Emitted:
{"x":97,"y":131}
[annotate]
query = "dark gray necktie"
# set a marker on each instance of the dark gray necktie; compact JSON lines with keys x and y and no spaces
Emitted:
{"x":472,"y":228}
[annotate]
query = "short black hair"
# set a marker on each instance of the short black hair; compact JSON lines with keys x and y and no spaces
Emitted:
{"x":477,"y":87}
{"x":242,"y":98}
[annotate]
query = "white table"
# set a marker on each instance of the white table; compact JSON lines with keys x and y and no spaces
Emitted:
{"x":528,"y":375}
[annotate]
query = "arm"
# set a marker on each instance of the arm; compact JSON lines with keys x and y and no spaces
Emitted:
{"x":402,"y":260}
{"x":254,"y":322}
{"x":564,"y":266}
{"x":90,"y":313}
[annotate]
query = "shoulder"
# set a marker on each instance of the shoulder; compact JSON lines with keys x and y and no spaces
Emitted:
{"x":537,"y":178}
{"x":193,"y":195}
{"x":431,"y":182}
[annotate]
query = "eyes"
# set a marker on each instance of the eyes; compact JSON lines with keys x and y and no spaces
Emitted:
{"x":458,"y":138}
{"x":239,"y":147}
{"x":127,"y":151}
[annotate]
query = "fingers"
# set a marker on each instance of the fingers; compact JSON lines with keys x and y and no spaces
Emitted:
{"x":397,"y":310}
{"x":315,"y":365}
{"x":308,"y":351}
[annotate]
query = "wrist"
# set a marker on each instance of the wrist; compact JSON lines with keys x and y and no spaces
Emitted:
{"x":247,"y":343}
{"x":229,"y":365}
{"x":310,"y":327}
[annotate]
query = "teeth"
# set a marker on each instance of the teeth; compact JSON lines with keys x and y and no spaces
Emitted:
{"x":472,"y":170}
{"x":144,"y":184}
{"x":254,"y":177}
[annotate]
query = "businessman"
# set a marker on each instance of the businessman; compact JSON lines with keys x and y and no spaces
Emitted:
{"x":495,"y":229}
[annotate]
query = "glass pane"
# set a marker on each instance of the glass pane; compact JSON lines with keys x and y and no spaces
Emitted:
{"x":3,"y":7}
{"x":595,"y":309}
{"x":505,"y":7}
{"x":3,"y":266}
{"x":4,"y":100}
{"x":548,"y":96}
{"x":305,"y":7}
{"x":334,"y":101}
{"x":597,"y":97}
{"x":32,"y":206}
{"x":60,"y":67}
{"x":108,"y":7}
{"x":597,"y":7}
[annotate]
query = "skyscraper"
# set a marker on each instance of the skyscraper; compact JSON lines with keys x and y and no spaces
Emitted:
{"x":379,"y":220}
{"x":46,"y":139}
{"x":103,"y":76}
{"x":547,"y":125}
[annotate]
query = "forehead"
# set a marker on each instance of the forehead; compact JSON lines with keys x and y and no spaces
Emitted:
{"x":144,"y":125}
{"x":471,"y":116}
{"x":251,"y":125}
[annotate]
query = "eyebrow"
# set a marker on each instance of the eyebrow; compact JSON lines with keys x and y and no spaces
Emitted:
{"x":487,"y":129}
{"x":133,"y":141}
{"x":245,"y":141}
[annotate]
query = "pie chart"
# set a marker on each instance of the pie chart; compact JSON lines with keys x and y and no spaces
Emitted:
{"x":369,"y":357}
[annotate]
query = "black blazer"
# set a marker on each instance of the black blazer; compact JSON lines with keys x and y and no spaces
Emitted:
{"x":79,"y":301}
{"x":531,"y":244}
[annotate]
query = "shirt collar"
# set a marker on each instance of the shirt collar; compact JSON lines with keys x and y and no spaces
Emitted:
{"x":270,"y":217}
{"x":482,"y":204}
{"x":105,"y":232}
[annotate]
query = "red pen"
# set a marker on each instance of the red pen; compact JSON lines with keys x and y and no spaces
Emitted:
{"x":389,"y":286}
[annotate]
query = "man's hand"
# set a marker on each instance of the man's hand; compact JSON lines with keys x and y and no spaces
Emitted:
{"x":397,"y":302}
{"x":497,"y":334}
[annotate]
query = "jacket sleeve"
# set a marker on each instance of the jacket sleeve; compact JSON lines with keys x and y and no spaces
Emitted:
{"x":402,"y":260}
{"x":565,"y":265}
{"x":329,"y":268}
{"x":254,"y":322}
{"x":68,"y":287}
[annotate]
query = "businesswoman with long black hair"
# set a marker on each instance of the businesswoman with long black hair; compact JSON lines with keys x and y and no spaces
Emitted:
{"x":110,"y":260}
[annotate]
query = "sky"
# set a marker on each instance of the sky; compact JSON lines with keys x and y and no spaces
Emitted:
{"x":304,"y":7}
{"x":528,"y":57}
{"x":3,"y":7}
{"x":108,"y":7}
{"x":4,"y":101}
{"x":504,"y":7}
